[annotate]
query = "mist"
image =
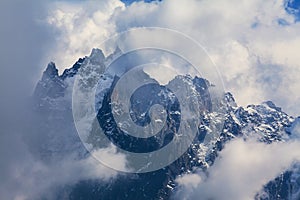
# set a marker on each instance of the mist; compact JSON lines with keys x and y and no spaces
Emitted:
{"x":26,"y":173}
{"x":236,"y":34}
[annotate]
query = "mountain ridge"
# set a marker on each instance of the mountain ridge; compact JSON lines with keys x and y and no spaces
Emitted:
{"x":265,"y":121}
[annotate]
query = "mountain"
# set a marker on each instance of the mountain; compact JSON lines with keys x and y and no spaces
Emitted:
{"x":53,"y":105}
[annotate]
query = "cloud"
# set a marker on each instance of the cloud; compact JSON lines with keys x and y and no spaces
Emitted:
{"x":189,"y":180}
{"x":23,"y":45}
{"x":240,"y":171}
{"x":80,"y":27}
{"x":32,"y":178}
{"x":243,"y":38}
{"x":256,"y":54}
{"x":26,"y":41}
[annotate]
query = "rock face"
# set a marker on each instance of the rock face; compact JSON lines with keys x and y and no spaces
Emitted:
{"x":53,"y":96}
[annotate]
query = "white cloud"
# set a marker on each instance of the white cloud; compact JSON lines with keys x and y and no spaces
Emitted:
{"x":258,"y":59}
{"x":80,"y":27}
{"x":32,"y":178}
{"x":240,"y":171}
{"x":189,"y":180}
{"x":242,"y":37}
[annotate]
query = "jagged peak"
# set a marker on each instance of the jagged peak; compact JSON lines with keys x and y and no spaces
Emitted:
{"x":229,"y":96}
{"x":97,"y":54}
{"x":230,"y":99}
{"x":50,"y":72}
{"x":272,"y":105}
{"x":73,"y":70}
{"x":115,"y":54}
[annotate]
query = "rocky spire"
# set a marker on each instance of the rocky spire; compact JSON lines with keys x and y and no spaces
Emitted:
{"x":50,"y":72}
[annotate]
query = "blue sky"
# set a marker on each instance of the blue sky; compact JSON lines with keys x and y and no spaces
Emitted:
{"x":295,"y":4}
{"x":293,"y":7}
{"x":128,"y":2}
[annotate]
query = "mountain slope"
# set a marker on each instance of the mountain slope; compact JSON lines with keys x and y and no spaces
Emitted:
{"x":53,"y":96}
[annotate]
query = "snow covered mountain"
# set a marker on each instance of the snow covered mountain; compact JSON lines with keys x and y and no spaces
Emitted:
{"x":53,"y":104}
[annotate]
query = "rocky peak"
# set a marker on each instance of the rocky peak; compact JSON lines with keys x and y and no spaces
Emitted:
{"x":96,"y":56}
{"x":270,"y":104}
{"x":73,"y":70}
{"x":51,"y":84}
{"x":265,"y":121}
{"x":50,"y":72}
